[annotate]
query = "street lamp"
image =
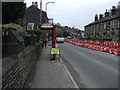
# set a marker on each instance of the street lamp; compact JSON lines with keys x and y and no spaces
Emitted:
{"x":46,"y":6}
{"x":40,"y":11}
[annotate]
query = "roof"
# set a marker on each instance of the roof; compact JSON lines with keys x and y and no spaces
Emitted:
{"x":105,"y":19}
{"x":33,"y":7}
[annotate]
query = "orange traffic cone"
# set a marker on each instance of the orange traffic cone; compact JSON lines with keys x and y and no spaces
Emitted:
{"x":44,"y":46}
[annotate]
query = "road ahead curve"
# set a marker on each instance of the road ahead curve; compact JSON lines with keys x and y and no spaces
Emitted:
{"x":96,"y":69}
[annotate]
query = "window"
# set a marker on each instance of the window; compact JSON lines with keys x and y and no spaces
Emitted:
{"x":97,"y":26}
{"x":118,"y":24}
{"x":114,"y":24}
{"x":94,"y":27}
{"x":105,"y":26}
{"x":101,"y":26}
{"x":108,"y":26}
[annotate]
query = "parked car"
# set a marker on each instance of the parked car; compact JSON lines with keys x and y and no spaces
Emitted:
{"x":60,"y":40}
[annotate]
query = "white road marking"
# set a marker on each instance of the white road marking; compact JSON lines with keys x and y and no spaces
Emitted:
{"x":69,"y":74}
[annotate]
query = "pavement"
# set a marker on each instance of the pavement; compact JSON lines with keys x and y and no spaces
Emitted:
{"x":49,"y":74}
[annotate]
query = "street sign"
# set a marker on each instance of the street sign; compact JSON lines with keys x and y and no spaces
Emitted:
{"x":30,"y":26}
{"x":50,"y":21}
{"x":46,"y":26}
{"x":55,"y":51}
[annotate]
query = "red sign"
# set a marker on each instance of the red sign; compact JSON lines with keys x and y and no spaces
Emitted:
{"x":46,"y":26}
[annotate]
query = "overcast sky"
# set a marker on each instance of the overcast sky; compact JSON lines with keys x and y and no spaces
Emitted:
{"x":75,"y":13}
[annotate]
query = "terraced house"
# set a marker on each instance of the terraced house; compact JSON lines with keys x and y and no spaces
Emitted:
{"x":105,"y":26}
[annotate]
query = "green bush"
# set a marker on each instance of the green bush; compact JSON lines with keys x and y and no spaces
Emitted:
{"x":118,"y":40}
{"x":17,"y":27}
{"x":37,"y":32}
{"x":93,"y":39}
{"x":59,"y":33}
{"x":102,"y":40}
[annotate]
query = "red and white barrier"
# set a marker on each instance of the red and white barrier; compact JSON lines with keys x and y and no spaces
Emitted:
{"x":106,"y":46}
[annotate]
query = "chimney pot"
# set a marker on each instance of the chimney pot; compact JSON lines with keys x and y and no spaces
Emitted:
{"x":96,"y":17}
{"x":100,"y":16}
{"x":113,"y":10}
{"x":113,"y":7}
{"x":32,"y":3}
{"x":36,"y":3}
{"x":106,"y":13}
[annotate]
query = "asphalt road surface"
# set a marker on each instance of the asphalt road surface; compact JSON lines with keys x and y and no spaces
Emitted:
{"x":96,"y":69}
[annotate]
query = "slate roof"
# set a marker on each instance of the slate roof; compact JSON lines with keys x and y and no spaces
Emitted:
{"x":105,"y":19}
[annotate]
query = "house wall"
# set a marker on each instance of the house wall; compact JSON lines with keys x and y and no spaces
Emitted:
{"x":107,"y":27}
{"x":32,"y":15}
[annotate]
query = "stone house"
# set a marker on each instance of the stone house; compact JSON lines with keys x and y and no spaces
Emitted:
{"x":31,"y":18}
{"x":107,"y":26}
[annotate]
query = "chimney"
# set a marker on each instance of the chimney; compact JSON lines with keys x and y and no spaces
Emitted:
{"x":118,"y":7}
{"x":96,"y":17}
{"x":106,"y":13}
{"x":113,"y":10}
{"x":119,"y":4}
{"x":35,"y":4}
{"x":100,"y":16}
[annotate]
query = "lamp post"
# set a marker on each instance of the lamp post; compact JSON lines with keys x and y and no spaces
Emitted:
{"x":40,"y":11}
{"x":46,"y":6}
{"x":47,"y":26}
{"x":53,"y":33}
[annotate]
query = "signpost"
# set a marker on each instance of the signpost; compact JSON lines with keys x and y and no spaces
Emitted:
{"x":49,"y":26}
{"x":55,"y":51}
{"x":46,"y":26}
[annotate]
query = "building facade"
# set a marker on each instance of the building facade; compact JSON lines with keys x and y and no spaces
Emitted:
{"x":31,"y":18}
{"x":105,"y":26}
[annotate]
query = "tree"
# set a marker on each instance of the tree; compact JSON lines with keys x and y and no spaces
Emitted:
{"x":37,"y":32}
{"x":58,"y":24}
{"x":59,"y":33}
{"x":65,"y":34}
{"x":12,"y":11}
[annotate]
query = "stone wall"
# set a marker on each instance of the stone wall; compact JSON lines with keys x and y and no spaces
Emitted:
{"x":12,"y":42}
{"x":17,"y":68}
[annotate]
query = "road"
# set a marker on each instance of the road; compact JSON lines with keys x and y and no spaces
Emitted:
{"x":96,"y":69}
